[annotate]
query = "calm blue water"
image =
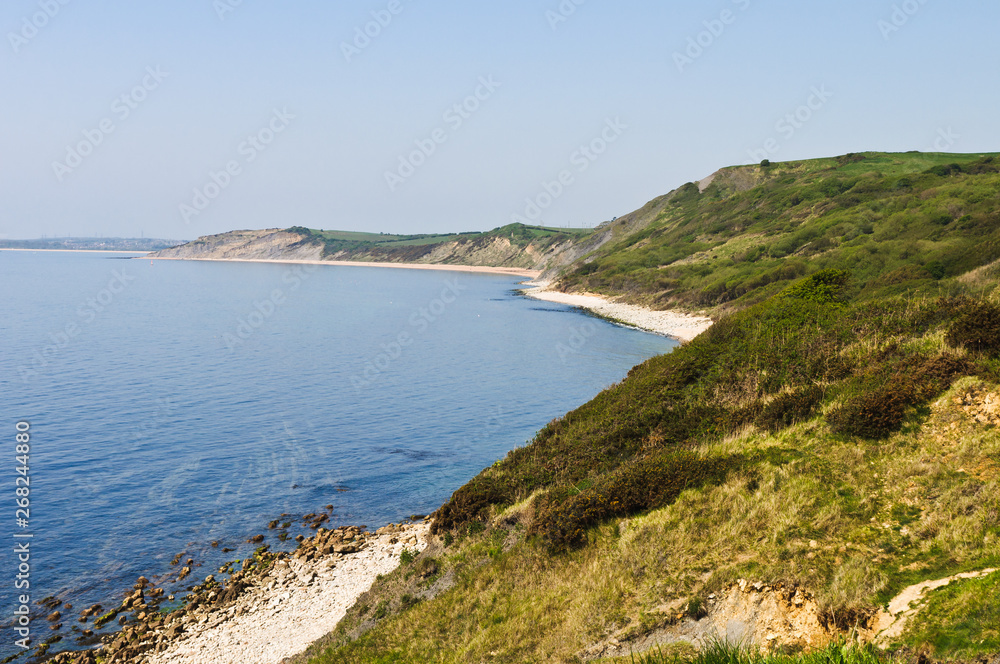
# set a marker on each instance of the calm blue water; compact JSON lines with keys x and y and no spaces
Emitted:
{"x":176,"y":403}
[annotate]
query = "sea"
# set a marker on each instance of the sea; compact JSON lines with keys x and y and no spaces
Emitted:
{"x":179,"y":407}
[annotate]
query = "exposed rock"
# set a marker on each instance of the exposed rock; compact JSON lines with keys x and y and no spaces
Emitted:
{"x":983,"y":406}
{"x":266,"y":244}
{"x":345,"y":548}
{"x":747,"y":613}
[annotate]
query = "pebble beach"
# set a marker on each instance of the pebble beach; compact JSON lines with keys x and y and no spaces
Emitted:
{"x":684,"y":327}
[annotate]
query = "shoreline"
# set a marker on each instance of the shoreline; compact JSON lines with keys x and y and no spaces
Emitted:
{"x":273,"y":609}
{"x":299,"y":600}
{"x":678,"y":325}
{"x":510,"y":271}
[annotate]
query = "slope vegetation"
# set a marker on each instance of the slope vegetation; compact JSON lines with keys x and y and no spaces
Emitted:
{"x":893,"y":221}
{"x":830,"y":442}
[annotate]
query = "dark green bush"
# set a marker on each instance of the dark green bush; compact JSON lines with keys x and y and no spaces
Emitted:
{"x":788,"y":408}
{"x":823,"y":287}
{"x":944,"y":170}
{"x":637,"y":486}
{"x":976,"y":327}
{"x":936,"y":269}
{"x":871,"y":415}
{"x":877,"y":407}
{"x":983,"y":166}
{"x":687,"y":192}
{"x":468,"y":503}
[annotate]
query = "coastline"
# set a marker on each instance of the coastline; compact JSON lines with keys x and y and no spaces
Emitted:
{"x":511,"y":271}
{"x":81,"y":251}
{"x":300,"y":600}
{"x":675,"y":324}
{"x":680,"y":326}
{"x":271,"y":610}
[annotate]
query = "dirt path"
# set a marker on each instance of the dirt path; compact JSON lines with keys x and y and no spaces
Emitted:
{"x":891,"y":624}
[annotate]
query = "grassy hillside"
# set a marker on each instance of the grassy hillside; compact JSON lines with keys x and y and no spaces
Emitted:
{"x":894,"y":221}
{"x":833,"y":437}
{"x":809,"y":441}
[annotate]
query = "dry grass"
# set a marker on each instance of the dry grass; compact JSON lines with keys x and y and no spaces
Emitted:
{"x":852,"y":522}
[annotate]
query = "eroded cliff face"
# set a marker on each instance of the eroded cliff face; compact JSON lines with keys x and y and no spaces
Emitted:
{"x":269,"y":244}
{"x":278,"y":244}
{"x":487,"y":251}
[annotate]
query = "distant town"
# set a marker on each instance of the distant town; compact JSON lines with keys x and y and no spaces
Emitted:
{"x":92,"y":244}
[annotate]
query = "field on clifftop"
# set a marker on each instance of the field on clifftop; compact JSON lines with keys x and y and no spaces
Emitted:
{"x":829,"y":442}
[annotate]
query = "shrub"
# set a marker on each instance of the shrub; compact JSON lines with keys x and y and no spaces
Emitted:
{"x":936,"y":269}
{"x":929,"y":377}
{"x":468,"y":503}
{"x":640,"y":485}
{"x":696,"y":609}
{"x":427,"y":567}
{"x":871,"y":415}
{"x":823,"y":287}
{"x":976,"y":327}
{"x":687,"y":192}
{"x":788,"y":408}
{"x":906,"y":274}
{"x":983,"y":166}
{"x":944,"y":170}
{"x":878,"y":406}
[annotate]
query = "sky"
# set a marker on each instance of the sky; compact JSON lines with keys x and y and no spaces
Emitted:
{"x":175,"y":120}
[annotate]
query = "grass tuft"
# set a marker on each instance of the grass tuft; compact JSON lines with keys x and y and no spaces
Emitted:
{"x":723,"y":652}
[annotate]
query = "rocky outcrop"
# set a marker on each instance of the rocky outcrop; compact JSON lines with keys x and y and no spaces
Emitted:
{"x":767,"y":616}
{"x":746,"y":613}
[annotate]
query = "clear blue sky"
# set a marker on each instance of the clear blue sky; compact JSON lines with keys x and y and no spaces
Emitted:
{"x":930,"y":84}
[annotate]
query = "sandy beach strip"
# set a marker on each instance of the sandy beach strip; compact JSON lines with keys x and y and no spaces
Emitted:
{"x":512,"y":271}
{"x":678,"y":325}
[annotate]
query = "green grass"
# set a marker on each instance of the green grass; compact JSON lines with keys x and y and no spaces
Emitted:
{"x":724,"y":653}
{"x":814,"y":437}
{"x":895,"y":222}
{"x":584,"y":534}
{"x":962,"y":619}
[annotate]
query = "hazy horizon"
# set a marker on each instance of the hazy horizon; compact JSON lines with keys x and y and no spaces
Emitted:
{"x":205,"y":116}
